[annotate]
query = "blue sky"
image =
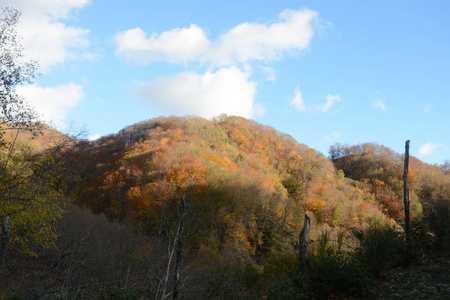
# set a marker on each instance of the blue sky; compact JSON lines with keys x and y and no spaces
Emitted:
{"x":322,"y":71}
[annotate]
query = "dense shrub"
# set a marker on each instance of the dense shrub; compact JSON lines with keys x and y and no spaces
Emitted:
{"x":381,"y":248}
{"x":439,"y":222}
{"x":338,"y":274}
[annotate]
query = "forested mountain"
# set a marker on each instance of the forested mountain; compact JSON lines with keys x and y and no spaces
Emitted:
{"x":244,"y":174}
{"x":221,"y":202}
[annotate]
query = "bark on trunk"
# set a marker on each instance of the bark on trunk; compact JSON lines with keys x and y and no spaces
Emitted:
{"x":178,"y":245}
{"x":4,"y":242}
{"x":406,"y":195}
{"x":304,"y":262}
{"x":182,"y":216}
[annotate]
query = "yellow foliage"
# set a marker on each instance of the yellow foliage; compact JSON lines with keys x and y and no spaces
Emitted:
{"x":215,"y":158}
{"x":164,"y":141}
{"x":314,"y":204}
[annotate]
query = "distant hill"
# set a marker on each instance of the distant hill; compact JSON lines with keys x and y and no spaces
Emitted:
{"x":38,"y":139}
{"x":382,"y":170}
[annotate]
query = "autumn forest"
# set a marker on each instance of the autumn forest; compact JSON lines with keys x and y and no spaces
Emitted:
{"x":212,"y":209}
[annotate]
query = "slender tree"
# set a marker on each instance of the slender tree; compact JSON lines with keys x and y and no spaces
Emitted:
{"x":304,"y":261}
{"x":406,"y":194}
{"x":183,"y":211}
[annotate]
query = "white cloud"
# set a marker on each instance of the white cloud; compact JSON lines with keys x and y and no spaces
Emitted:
{"x":300,"y":105}
{"x":45,"y":38}
{"x":52,"y":103}
{"x":298,"y":100}
{"x":331,"y":99}
{"x":270,"y":73}
{"x":226,"y":91}
{"x":94,"y":137}
{"x":379,"y":104}
{"x":428,"y":148}
{"x":252,"y":41}
{"x":179,"y":45}
{"x":241,"y":44}
{"x":334,"y":135}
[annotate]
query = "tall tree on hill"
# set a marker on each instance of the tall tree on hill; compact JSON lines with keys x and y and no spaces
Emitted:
{"x":13,"y":111}
{"x":27,"y":207}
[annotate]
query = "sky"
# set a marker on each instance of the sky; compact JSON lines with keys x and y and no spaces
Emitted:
{"x":325,"y":72}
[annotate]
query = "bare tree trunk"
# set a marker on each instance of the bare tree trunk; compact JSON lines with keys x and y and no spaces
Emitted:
{"x":406,"y":195}
{"x":177,"y":244}
{"x":304,"y":262}
{"x":182,"y":215}
{"x":171,"y":250}
{"x":4,"y":242}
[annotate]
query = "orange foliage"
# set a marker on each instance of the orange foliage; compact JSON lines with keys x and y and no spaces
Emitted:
{"x":320,"y":189}
{"x":178,"y":134}
{"x":237,"y":135}
{"x":269,"y":183}
{"x":190,"y":173}
{"x":259,"y":145}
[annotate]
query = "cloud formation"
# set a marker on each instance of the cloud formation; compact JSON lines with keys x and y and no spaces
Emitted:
{"x":298,"y":102}
{"x":45,"y":38}
{"x":243,"y":43}
{"x":179,"y":45}
{"x":379,"y":104}
{"x":428,"y":148}
{"x":331,"y":99}
{"x":334,"y":135}
{"x":225,"y":87}
{"x":52,"y":104}
{"x":300,"y":105}
{"x":226,"y":91}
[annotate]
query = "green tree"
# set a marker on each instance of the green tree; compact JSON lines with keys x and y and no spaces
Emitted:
{"x":28,"y":208}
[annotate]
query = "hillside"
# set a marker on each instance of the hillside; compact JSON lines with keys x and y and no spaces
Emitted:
{"x":38,"y":139}
{"x":229,"y":164}
{"x":246,"y":188}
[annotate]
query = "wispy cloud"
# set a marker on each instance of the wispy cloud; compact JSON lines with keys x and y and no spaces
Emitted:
{"x":210,"y":94}
{"x":334,"y":135}
{"x":244,"y":43}
{"x":428,"y":149}
{"x":331,"y":100}
{"x":379,"y":104}
{"x":270,"y":73}
{"x":297,"y":101}
{"x":300,"y":105}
